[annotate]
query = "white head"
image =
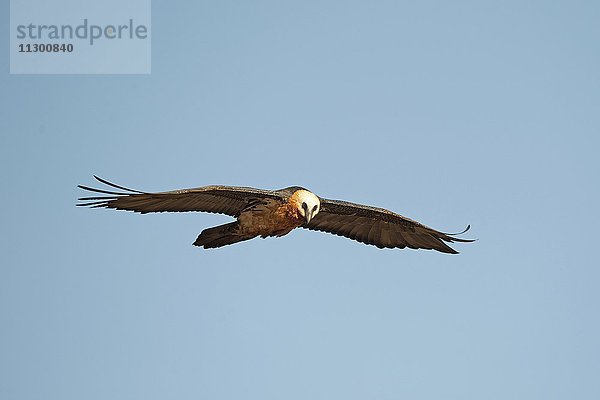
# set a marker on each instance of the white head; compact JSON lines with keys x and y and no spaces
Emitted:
{"x":307,"y":203}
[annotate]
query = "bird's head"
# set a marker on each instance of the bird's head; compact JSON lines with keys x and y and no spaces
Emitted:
{"x":307,"y":203}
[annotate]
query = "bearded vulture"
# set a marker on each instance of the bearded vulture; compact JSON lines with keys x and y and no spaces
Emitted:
{"x":267,"y":213}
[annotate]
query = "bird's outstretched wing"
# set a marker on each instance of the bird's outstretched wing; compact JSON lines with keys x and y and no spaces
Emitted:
{"x":230,"y":200}
{"x":379,"y":227}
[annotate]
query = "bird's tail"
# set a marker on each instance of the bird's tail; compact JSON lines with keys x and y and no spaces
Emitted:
{"x":221,"y":235}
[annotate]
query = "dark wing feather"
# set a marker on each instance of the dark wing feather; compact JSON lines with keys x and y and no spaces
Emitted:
{"x":379,"y":227}
{"x":228,"y":200}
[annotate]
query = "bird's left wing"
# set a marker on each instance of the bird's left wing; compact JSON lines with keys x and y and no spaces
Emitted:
{"x":379,"y":227}
{"x":230,"y":200}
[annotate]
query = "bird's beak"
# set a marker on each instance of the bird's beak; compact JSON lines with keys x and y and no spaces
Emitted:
{"x":309,"y":215}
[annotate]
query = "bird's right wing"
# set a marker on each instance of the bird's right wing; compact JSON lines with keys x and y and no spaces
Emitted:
{"x":230,"y":200}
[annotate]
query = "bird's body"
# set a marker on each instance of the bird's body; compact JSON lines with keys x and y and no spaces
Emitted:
{"x":268,"y":213}
{"x":271,"y":218}
{"x":266,"y":218}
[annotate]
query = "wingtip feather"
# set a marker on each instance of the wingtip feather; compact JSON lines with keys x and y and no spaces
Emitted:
{"x":115,"y":185}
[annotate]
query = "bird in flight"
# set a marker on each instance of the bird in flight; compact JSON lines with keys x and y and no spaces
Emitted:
{"x":268,"y":213}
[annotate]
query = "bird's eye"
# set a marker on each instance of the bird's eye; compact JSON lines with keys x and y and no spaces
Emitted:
{"x":304,"y":206}
{"x":315,"y":208}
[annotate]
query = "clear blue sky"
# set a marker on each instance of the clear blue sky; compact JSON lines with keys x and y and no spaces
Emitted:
{"x":450,"y":113}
